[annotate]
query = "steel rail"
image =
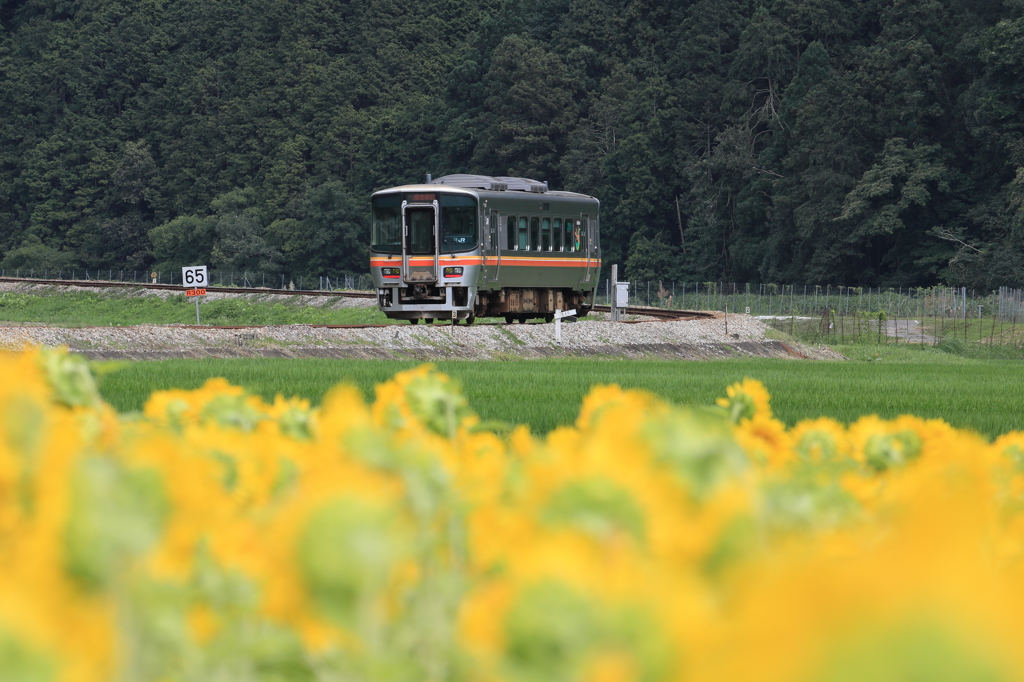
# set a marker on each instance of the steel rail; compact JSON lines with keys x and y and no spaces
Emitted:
{"x":660,"y":314}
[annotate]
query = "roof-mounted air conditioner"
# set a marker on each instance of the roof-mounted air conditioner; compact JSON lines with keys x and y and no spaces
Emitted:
{"x":498,"y":184}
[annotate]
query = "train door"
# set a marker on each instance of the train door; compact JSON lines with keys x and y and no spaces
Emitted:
{"x":593,"y":248}
{"x":586,"y":238}
{"x":419,"y":242}
{"x":492,"y":248}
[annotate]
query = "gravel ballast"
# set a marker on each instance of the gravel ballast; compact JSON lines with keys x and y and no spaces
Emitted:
{"x":691,"y":339}
{"x":591,"y":336}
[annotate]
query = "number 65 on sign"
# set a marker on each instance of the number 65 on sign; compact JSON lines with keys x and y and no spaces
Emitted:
{"x":193,"y":276}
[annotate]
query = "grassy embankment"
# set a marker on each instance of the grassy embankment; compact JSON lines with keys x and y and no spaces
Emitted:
{"x":121,"y":307}
{"x":982,"y":395}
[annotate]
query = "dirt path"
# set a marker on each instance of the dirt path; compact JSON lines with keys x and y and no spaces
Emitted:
{"x":909,"y":331}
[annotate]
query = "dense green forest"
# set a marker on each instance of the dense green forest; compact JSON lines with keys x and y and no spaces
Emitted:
{"x":878,"y":142}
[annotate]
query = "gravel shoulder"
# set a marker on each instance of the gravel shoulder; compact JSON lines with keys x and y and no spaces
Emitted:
{"x":689,"y":340}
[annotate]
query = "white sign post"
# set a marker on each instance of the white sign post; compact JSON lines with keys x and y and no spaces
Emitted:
{"x":569,"y":315}
{"x":194,"y":277}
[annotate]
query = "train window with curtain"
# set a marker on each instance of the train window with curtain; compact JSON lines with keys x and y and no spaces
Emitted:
{"x":545,"y":234}
{"x":510,"y":228}
{"x":524,"y":234}
{"x":556,"y":233}
{"x":535,"y":233}
{"x":570,"y":239}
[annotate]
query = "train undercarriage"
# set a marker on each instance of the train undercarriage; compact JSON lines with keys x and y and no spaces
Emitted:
{"x":425,"y":301}
{"x":524,"y":304}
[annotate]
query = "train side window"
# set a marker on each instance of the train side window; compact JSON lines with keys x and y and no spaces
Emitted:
{"x":581,"y":240}
{"x":535,"y":233}
{"x":510,"y":228}
{"x":556,"y":233}
{"x":524,"y":234}
{"x":570,"y":239}
{"x":545,"y":234}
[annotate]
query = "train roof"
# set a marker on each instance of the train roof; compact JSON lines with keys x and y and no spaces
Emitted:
{"x":487,"y":183}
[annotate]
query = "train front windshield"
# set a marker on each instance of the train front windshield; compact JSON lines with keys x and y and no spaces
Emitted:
{"x":458,"y":223}
{"x":459,"y":230}
{"x":386,"y":235}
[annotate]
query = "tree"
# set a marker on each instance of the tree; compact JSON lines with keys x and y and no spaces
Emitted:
{"x":651,"y":258}
{"x":185,"y":240}
{"x":811,"y":166}
{"x":324,"y":233}
{"x":528,"y":113}
{"x":889,"y":211}
{"x":763,"y":121}
{"x":34,"y":254}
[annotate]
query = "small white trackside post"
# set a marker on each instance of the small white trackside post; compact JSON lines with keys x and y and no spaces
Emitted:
{"x":613,"y":288}
{"x":569,"y":316}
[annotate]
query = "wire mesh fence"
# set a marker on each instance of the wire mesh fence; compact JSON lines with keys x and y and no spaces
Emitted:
{"x":838,"y":314}
{"x":221,"y":278}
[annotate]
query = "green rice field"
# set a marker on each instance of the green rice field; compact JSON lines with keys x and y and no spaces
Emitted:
{"x":984,"y":395}
{"x":969,"y":384}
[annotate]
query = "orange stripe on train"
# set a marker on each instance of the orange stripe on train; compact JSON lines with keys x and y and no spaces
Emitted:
{"x":423,"y":262}
{"x":505,"y":260}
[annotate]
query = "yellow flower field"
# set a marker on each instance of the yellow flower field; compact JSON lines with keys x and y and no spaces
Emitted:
{"x":217,"y":537}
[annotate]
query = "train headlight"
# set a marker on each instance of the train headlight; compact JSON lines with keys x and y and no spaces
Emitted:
{"x":453,"y":271}
{"x":390,"y":272}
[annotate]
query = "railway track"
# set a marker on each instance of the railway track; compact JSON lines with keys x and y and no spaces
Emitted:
{"x":178,"y":287}
{"x":659,"y":314}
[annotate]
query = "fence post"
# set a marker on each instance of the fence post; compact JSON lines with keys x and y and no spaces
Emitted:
{"x":993,"y":333}
{"x":792,"y":314}
{"x":921,"y":310}
{"x":1013,"y":328}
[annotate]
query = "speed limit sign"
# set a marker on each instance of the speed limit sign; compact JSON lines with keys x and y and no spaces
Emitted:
{"x":194,"y":276}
